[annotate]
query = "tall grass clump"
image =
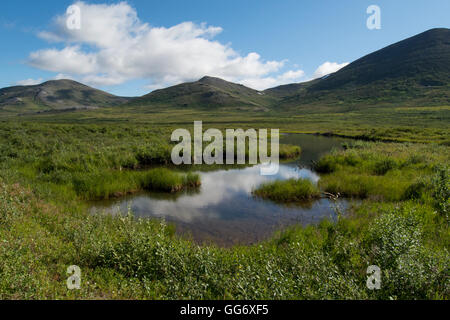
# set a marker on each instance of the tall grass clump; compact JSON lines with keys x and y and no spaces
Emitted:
{"x":165,"y":180}
{"x":288,"y":151}
{"x":292,"y":190}
{"x":153,"y":154}
{"x":105,"y":184}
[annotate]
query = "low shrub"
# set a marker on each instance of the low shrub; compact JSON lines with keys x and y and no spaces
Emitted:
{"x":395,"y":244}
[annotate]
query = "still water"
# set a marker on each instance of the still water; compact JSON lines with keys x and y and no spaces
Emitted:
{"x":224,"y":211}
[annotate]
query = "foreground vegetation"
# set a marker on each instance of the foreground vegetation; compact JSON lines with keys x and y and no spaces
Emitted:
{"x":127,"y":258}
{"x":400,"y":224}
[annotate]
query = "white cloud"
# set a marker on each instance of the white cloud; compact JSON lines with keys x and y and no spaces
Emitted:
{"x":68,"y":60}
{"x":29,"y":82}
{"x":328,"y":68}
{"x":61,"y":76}
{"x":292,"y":75}
{"x":114,"y":46}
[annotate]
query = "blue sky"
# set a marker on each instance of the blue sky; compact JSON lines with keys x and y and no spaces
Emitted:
{"x":157,"y":47}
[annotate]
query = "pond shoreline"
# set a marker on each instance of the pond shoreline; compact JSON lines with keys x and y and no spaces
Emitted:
{"x":224,"y":206}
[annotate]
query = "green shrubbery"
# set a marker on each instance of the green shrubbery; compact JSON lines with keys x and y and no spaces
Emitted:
{"x":395,"y":243}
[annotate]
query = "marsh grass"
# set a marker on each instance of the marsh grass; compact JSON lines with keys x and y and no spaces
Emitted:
{"x":288,"y":151}
{"x":165,"y":180}
{"x":46,"y":168}
{"x":388,"y":171}
{"x":293,"y":190}
{"x":113,"y":184}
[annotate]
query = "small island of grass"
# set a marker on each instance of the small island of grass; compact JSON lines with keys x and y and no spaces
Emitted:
{"x":292,"y":190}
{"x":165,"y":180}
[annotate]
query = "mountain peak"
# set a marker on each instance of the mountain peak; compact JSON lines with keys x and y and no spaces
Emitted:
{"x":436,"y":32}
{"x":56,"y":94}
{"x":208,"y":92}
{"x":212,"y":80}
{"x":412,"y":71}
{"x":63,"y":81}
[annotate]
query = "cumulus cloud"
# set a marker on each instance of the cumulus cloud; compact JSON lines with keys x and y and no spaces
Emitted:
{"x":29,"y":82}
{"x":328,"y":68}
{"x":114,"y":46}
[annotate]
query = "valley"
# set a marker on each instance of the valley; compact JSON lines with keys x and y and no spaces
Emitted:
{"x":86,"y":179}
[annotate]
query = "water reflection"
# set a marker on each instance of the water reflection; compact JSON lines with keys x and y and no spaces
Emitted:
{"x":223,"y":210}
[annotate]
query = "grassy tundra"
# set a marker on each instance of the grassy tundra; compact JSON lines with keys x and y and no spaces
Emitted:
{"x":52,"y":160}
{"x":47,"y":170}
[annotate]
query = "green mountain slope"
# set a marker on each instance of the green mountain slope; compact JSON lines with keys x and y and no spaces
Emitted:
{"x":412,"y":72}
{"x":209,"y":93}
{"x":288,"y":90}
{"x":55,"y":95}
{"x":415,"y":71}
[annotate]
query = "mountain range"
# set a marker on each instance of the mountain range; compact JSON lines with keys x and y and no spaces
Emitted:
{"x":56,"y":95}
{"x":415,"y":71}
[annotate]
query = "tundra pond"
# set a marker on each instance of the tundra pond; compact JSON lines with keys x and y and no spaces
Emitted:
{"x":223,"y":210}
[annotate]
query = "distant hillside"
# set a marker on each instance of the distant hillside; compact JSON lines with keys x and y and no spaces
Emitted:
{"x":55,"y":95}
{"x":208,"y":93}
{"x":288,"y":90}
{"x":415,"y":71}
{"x":412,"y":71}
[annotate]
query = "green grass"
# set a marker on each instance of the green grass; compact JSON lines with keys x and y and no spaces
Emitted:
{"x":289,"y":151}
{"x":122,"y":257}
{"x":113,"y":184}
{"x":400,"y":123}
{"x":386,"y":171}
{"x":166,"y":180}
{"x":293,"y":190}
{"x":47,"y":169}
